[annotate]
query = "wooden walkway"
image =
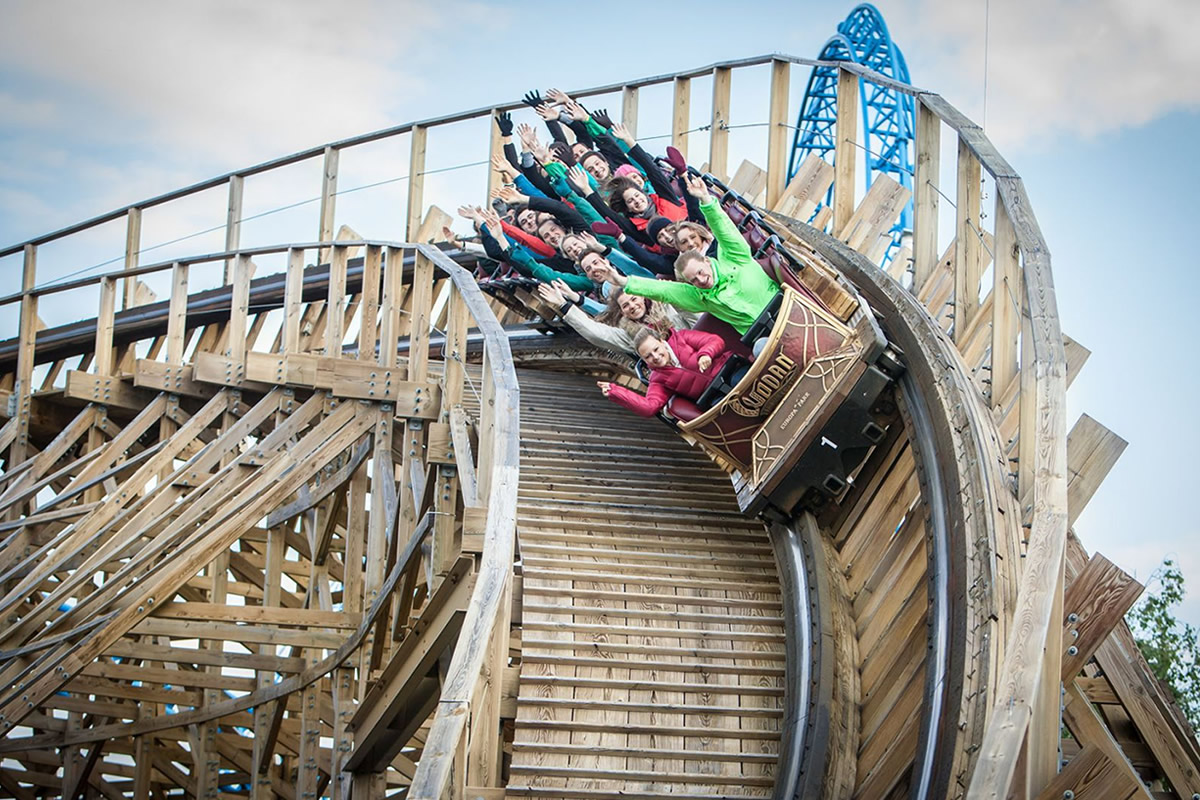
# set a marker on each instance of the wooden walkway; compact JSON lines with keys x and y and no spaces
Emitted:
{"x":652,"y":642}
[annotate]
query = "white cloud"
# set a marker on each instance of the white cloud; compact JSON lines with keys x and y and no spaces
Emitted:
{"x":105,"y":104}
{"x":228,"y":80}
{"x":1055,"y":67}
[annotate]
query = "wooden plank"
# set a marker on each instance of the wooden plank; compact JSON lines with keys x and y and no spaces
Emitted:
{"x":844,"y":157}
{"x":240,"y":306}
{"x":329,"y":179}
{"x":335,"y":302}
{"x":233,"y":222}
{"x":133,"y":249}
{"x":104,"y":327}
{"x":807,"y":189}
{"x":869,"y":228}
{"x":393,"y":299}
{"x":292,"y":302}
{"x":1090,"y":775}
{"x":629,"y":109}
{"x":925,"y":196}
{"x":416,"y":182}
{"x":718,"y":142}
{"x":778,"y":133}
{"x":421,"y":298}
{"x":1089,"y":729}
{"x":750,"y":181}
{"x":681,"y":114}
{"x":173,"y":378}
{"x":968,"y":255}
{"x":1095,"y":602}
{"x":194,"y":610}
{"x":1092,"y":451}
{"x":26,"y":341}
{"x":177,"y":314}
{"x":1007,"y":290}
{"x":109,"y":391}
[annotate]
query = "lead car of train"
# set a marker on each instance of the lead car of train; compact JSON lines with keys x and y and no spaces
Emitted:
{"x":797,"y":425}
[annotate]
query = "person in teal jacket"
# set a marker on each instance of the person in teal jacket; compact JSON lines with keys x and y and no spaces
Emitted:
{"x":730,"y":285}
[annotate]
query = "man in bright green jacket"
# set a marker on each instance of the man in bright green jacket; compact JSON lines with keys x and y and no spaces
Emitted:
{"x":730,"y":285}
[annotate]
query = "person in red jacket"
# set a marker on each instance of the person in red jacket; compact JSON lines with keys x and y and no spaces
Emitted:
{"x":683,"y":364}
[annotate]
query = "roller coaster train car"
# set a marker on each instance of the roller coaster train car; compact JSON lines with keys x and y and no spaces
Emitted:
{"x":810,"y":407}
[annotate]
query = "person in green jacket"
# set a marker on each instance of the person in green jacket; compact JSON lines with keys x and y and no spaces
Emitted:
{"x":730,"y":285}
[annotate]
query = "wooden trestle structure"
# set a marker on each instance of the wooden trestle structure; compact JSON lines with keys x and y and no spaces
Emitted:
{"x":330,"y":529}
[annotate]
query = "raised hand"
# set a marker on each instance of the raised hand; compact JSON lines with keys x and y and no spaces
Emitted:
{"x":696,"y":187}
{"x":501,"y":165}
{"x":579,"y":181}
{"x":577,"y":112}
{"x":510,"y":195}
{"x":558,"y":96}
{"x":550,"y":293}
{"x":532,"y":98}
{"x":590,"y":240}
{"x":504,"y":123}
{"x":602,"y":118}
{"x":528,"y":135}
{"x":566,"y":291}
{"x":547,"y":112}
{"x":450,"y":237}
{"x":605,"y":387}
{"x":562,"y":152}
{"x":704,"y":362}
{"x":492,"y":220}
{"x":621,"y":132}
{"x":468,"y":212}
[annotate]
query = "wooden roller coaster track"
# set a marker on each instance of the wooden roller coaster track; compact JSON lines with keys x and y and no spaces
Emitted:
{"x":319,"y":525}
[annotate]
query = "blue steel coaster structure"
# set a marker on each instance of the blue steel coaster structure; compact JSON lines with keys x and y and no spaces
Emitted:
{"x":889,"y":118}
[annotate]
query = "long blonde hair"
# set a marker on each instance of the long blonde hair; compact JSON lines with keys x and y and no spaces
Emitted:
{"x":656,"y":318}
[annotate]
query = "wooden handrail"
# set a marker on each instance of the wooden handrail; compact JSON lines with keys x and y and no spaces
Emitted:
{"x":488,"y":615}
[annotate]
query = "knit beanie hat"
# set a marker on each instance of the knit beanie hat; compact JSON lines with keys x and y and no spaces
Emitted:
{"x":628,"y":171}
{"x":655,"y":225}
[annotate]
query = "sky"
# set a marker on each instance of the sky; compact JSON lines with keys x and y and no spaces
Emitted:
{"x":1094,"y":104}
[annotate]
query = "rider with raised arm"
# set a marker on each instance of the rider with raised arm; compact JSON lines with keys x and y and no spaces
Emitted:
{"x":731,"y":285}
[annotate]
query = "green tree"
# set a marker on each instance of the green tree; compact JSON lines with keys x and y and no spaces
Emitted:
{"x":1168,"y":644}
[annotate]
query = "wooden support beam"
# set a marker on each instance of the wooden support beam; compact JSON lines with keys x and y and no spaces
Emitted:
{"x":240,"y":307}
{"x":1095,"y":602}
{"x":1008,"y":287}
{"x":335,"y":303}
{"x":421,"y":297}
{"x":177,"y":315}
{"x":26,"y":340}
{"x":1090,"y":731}
{"x":329,"y":180}
{"x":390,"y":308}
{"x":1090,"y":775}
{"x":463,"y":458}
{"x":233,"y":222}
{"x":629,"y":109}
{"x":104,"y":327}
{"x":681,"y":114}
{"x":968,"y":255}
{"x":402,"y":687}
{"x":1092,"y":451}
{"x":495,"y":150}
{"x":926,"y":197}
{"x":778,"y":133}
{"x":718,"y":142}
{"x":416,"y":182}
{"x":844,"y":156}
{"x":133,"y":248}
